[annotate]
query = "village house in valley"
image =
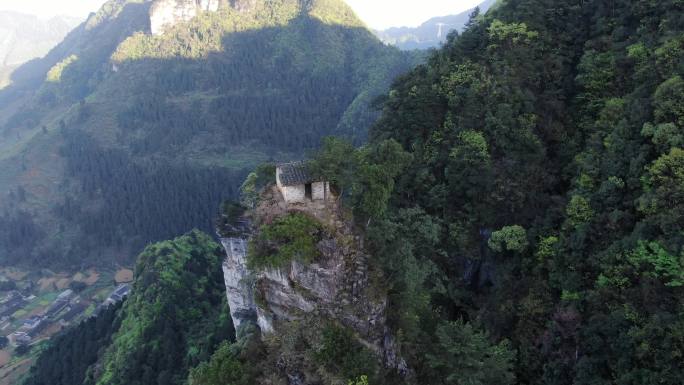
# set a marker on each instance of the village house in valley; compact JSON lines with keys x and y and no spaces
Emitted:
{"x":298,"y":185}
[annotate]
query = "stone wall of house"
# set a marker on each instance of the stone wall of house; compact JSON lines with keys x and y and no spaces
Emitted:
{"x":294,"y":194}
{"x":320,"y":190}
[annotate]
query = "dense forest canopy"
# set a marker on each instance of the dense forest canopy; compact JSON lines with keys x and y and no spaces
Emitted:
{"x":70,"y":356}
{"x":539,"y":223}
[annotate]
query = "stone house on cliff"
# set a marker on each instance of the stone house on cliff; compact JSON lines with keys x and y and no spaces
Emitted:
{"x":296,"y":183}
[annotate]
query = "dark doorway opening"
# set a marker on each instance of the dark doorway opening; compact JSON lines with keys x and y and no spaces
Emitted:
{"x":308,"y":191}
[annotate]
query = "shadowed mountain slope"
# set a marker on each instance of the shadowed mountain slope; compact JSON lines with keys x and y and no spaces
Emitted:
{"x":119,"y":138}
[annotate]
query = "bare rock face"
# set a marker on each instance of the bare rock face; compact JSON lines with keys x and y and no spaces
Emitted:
{"x":166,"y":13}
{"x":286,"y":294}
{"x":239,"y":288}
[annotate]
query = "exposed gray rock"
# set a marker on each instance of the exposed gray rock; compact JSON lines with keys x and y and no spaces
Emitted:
{"x":296,"y":378}
{"x":167,"y":13}
{"x":239,"y":284}
{"x":281,"y":301}
{"x":265,"y":321}
{"x":392,"y":360}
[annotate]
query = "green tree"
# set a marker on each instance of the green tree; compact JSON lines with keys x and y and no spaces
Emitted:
{"x":658,"y":263}
{"x":669,"y":101}
{"x":365,"y":175}
{"x":579,"y":210}
{"x":510,"y":34}
{"x":362,"y":380}
{"x":340,"y":352}
{"x":509,"y":238}
{"x":469,"y":176}
{"x":256,"y":181}
{"x":175,"y":317}
{"x":465,"y":356}
{"x":224,"y":368}
{"x":336,"y":161}
{"x":663,"y":201}
{"x":288,"y":238}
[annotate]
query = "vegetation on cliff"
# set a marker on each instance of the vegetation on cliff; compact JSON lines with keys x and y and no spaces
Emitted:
{"x":289,"y":238}
{"x":328,"y":352}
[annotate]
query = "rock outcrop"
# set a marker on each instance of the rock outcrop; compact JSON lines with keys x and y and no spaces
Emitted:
{"x":239,"y":288}
{"x":166,"y":13}
{"x":243,"y":5}
{"x":335,"y":286}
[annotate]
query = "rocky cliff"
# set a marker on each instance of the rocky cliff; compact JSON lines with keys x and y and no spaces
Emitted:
{"x":166,"y":13}
{"x":335,"y":286}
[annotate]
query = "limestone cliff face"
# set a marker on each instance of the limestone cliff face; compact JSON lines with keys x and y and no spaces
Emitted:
{"x":166,"y":13}
{"x":336,"y":286}
{"x":239,"y":288}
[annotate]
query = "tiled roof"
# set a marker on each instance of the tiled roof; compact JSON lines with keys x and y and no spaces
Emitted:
{"x":295,"y":173}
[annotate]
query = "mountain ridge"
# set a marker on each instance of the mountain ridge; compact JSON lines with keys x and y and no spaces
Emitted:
{"x":26,"y":37}
{"x":431,"y":33}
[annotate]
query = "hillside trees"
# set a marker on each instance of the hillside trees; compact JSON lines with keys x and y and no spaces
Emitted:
{"x":465,"y":356}
{"x":69,"y":357}
{"x":137,"y":202}
{"x":546,"y":155}
{"x":176,"y":316}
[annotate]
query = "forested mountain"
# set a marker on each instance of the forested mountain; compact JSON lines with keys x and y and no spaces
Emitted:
{"x":120,"y":137}
{"x":26,"y":37}
{"x":543,"y":206}
{"x":431,"y":33}
{"x":522,"y":202}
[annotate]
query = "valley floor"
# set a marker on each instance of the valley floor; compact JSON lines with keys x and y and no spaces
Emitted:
{"x":35,"y":306}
